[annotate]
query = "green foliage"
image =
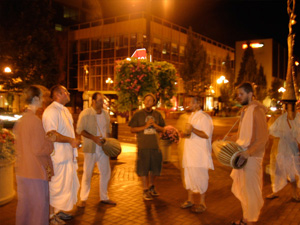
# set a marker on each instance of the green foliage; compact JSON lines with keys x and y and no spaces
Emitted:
{"x":166,"y":78}
{"x":137,"y":77}
{"x":248,"y":73}
{"x":134,"y":79}
{"x":28,"y":45}
{"x":194,"y":70}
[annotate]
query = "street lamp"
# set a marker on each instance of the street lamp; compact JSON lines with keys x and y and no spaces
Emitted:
{"x":222,"y":79}
{"x":281,"y":90}
{"x":109,"y":81}
{"x":7,"y":69}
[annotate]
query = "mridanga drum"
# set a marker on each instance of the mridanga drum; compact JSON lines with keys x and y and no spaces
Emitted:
{"x":227,"y":153}
{"x":111,"y":147}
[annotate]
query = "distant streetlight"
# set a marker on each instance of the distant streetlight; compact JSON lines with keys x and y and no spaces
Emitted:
{"x":109,"y":81}
{"x":222,"y":79}
{"x":7,"y":69}
{"x":281,"y":90}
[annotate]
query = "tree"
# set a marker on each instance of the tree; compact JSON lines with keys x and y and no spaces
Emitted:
{"x":134,"y":79}
{"x":28,"y":45}
{"x":194,"y":70}
{"x":248,"y":73}
{"x":273,"y":91}
{"x":166,"y":79}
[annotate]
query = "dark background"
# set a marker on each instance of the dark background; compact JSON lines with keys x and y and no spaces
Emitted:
{"x":226,"y":21}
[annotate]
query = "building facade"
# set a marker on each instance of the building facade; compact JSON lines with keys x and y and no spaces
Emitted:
{"x":94,"y":47}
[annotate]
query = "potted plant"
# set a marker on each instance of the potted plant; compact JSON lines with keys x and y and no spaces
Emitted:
{"x":169,"y":136}
{"x":7,"y":160}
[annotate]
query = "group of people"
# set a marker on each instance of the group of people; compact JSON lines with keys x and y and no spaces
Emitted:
{"x":46,"y":166}
{"x":252,"y":136}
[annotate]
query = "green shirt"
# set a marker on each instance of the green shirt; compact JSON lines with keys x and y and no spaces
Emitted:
{"x":148,"y":138}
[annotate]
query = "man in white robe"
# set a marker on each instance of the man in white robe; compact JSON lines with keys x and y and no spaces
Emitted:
{"x":284,"y":160}
{"x":197,"y":155}
{"x":252,"y":137}
{"x":64,"y":185}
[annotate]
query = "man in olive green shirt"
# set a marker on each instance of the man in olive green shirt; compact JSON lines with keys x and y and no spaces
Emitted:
{"x":146,"y":123}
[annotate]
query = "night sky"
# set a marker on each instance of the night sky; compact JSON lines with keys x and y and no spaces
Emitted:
{"x":226,"y":21}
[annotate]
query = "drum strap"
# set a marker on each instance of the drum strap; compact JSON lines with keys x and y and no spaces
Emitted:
{"x":231,"y":129}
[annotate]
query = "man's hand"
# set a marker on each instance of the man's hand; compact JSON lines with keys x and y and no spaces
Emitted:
{"x":150,"y":123}
{"x":97,"y":140}
{"x":74,"y":143}
{"x":51,"y":135}
{"x":242,"y":157}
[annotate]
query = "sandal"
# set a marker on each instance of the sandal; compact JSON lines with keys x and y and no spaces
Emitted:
{"x":186,"y":204}
{"x":272,"y":196}
{"x":199,"y":208}
{"x":240,"y":222}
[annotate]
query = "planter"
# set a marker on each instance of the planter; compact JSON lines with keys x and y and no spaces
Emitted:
{"x":7,"y":191}
{"x":164,"y":146}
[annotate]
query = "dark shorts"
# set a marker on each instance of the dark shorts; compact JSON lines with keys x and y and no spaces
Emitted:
{"x":149,"y":160}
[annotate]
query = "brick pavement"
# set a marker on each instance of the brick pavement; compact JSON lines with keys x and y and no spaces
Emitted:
{"x":125,"y":188}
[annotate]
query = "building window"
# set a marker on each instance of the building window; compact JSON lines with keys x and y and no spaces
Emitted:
{"x":84,"y":45}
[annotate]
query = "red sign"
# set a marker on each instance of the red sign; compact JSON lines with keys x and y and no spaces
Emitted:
{"x":140,"y":53}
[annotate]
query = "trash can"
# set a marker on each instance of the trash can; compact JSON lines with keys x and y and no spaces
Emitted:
{"x":114,"y":129}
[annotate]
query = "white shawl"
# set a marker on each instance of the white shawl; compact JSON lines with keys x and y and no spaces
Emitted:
{"x":246,"y":127}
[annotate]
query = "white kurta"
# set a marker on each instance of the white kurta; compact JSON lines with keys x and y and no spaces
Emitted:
{"x":64,"y":184}
{"x":197,"y":154}
{"x":285,"y":165}
{"x":99,"y":158}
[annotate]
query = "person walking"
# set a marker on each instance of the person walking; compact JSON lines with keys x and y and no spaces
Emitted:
{"x":94,"y":125}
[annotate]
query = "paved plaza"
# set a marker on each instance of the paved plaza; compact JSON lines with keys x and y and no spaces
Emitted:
{"x":125,"y":188}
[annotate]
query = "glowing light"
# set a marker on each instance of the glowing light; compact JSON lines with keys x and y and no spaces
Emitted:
{"x":273,"y":109}
{"x":222,"y":79}
{"x":297,"y":63}
{"x":7,"y":70}
{"x":253,"y":45}
{"x":282,"y":89}
{"x":109,"y":81}
{"x":293,"y":22}
{"x":128,"y":59}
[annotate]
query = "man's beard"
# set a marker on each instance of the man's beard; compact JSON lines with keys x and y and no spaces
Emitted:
{"x":246,"y":102}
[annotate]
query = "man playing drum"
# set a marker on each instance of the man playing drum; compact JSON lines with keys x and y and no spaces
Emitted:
{"x":94,"y":124}
{"x":252,"y":137}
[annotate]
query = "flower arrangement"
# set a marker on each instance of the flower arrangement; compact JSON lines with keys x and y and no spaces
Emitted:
{"x":170,"y":133}
{"x":7,"y":140}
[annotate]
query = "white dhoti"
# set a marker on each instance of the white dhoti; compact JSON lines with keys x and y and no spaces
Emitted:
{"x":286,"y":167}
{"x":196,"y":179}
{"x":102,"y":160}
{"x":64,"y":186}
{"x":247,"y":187}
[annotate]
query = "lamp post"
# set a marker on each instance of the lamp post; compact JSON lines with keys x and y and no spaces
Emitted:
{"x":109,"y":81}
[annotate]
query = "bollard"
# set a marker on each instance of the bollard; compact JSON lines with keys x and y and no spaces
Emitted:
{"x":114,"y":134}
{"x":114,"y":130}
